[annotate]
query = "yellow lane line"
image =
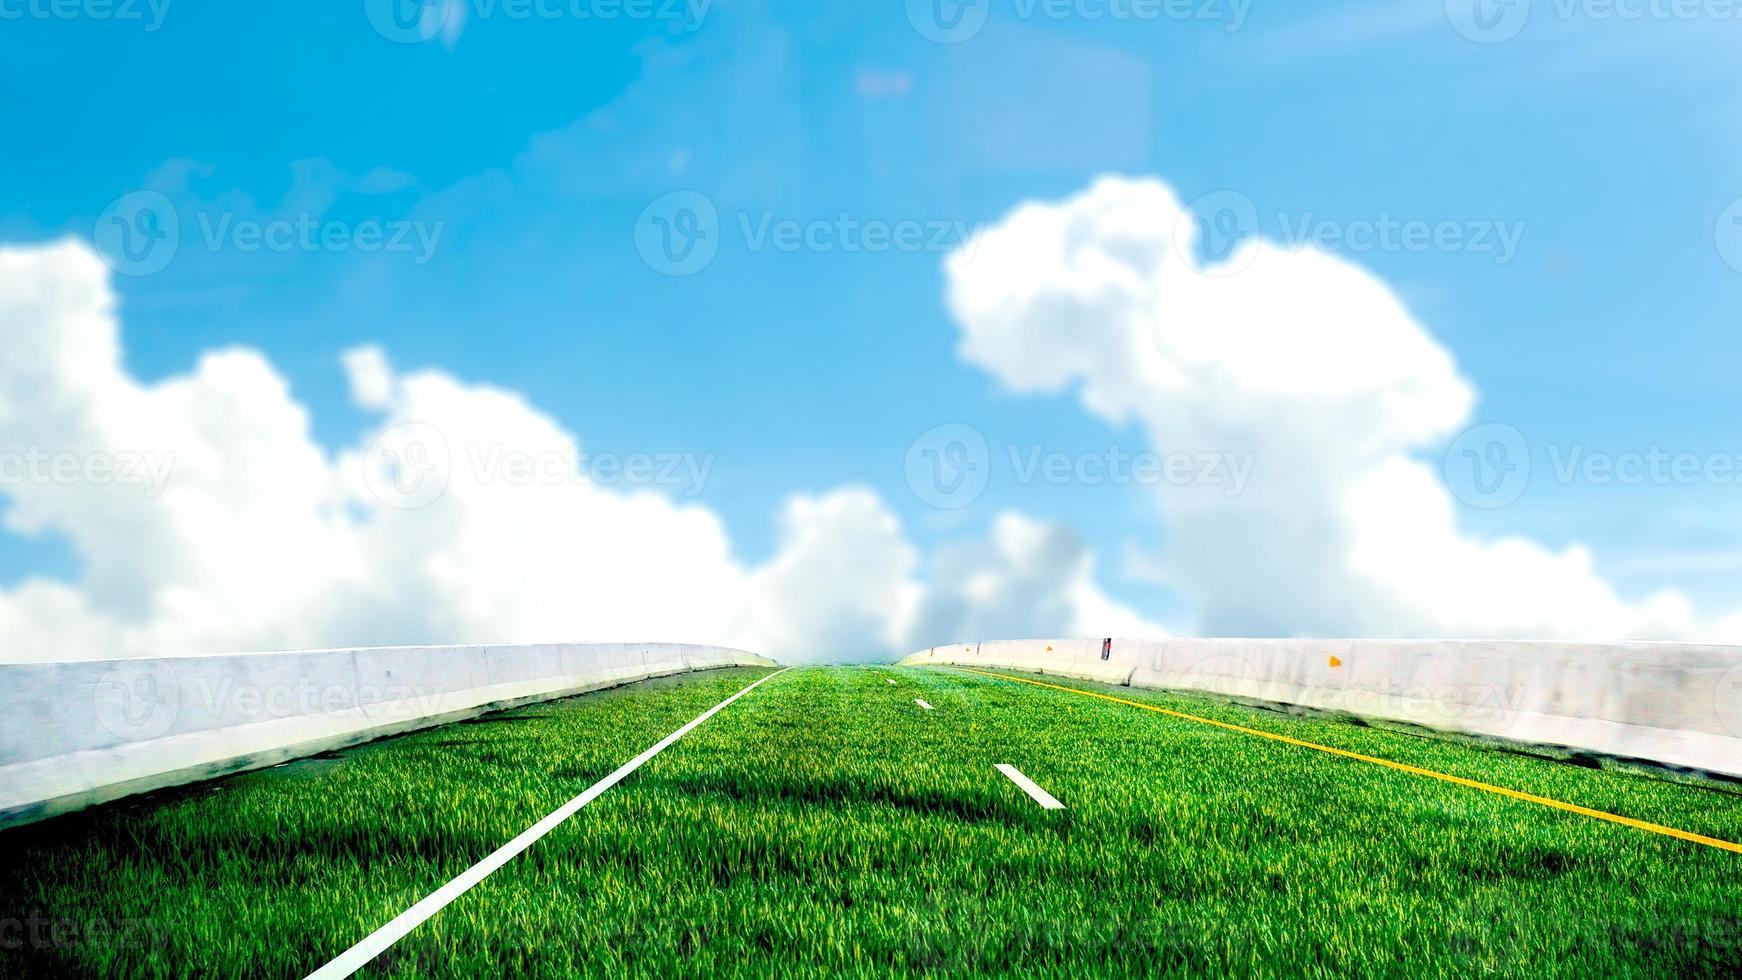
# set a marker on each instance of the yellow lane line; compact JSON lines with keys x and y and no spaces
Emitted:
{"x":1417,"y":770}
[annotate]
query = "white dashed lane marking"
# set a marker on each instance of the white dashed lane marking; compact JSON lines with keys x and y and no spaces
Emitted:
{"x":1041,"y":796}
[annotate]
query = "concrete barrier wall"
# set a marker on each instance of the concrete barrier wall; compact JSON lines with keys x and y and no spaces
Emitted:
{"x":1671,"y":703}
{"x":76,"y":734}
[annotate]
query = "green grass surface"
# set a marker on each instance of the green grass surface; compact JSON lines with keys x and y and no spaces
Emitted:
{"x":826,"y":825}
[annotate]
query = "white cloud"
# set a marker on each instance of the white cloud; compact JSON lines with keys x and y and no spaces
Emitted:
{"x":1315,"y":368}
{"x":423,"y":532}
{"x":840,"y":586}
{"x":371,"y":377}
{"x":1030,"y":580}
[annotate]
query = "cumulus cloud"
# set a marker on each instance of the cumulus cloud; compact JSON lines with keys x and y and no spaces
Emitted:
{"x":1314,"y":369}
{"x":207,"y":519}
{"x":371,"y":377}
{"x":1023,"y":582}
{"x":840,"y":586}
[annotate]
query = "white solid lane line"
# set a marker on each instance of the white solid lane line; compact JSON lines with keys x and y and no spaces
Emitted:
{"x":922,"y":704}
{"x":1041,"y":796}
{"x":358,"y":956}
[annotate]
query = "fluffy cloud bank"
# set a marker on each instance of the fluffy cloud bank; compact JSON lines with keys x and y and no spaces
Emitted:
{"x":207,"y":519}
{"x":1313,"y":367}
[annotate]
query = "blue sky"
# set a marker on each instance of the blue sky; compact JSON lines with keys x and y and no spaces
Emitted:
{"x":536,"y":145}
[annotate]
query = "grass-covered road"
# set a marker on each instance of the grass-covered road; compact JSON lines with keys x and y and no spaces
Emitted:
{"x":826,"y":824}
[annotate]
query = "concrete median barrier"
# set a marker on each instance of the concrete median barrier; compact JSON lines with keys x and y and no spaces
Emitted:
{"x":80,"y":733}
{"x":1670,"y":703}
